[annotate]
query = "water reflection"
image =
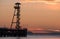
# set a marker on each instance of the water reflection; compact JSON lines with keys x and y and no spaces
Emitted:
{"x":21,"y":37}
{"x":18,"y":37}
{"x":32,"y":37}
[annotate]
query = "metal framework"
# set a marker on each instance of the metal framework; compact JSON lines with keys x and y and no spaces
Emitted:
{"x":17,"y":14}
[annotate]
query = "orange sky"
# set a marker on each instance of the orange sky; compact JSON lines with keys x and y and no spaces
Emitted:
{"x":41,"y":14}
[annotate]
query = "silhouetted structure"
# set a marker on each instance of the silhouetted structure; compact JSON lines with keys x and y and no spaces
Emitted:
{"x":17,"y":14}
{"x":17,"y":31}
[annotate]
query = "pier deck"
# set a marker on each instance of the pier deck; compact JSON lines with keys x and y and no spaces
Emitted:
{"x":13,"y":33}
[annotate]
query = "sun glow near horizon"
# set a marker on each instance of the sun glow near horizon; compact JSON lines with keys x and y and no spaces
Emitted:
{"x":40,"y":13}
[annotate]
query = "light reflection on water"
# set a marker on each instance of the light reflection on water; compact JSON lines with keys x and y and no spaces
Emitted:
{"x":43,"y":37}
{"x":32,"y":37}
{"x":13,"y":37}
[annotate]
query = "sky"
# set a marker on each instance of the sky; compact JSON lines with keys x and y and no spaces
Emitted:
{"x":35,"y":14}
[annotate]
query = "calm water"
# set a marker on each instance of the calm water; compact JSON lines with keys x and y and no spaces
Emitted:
{"x":32,"y":37}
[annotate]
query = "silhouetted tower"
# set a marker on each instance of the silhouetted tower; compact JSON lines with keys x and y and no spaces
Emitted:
{"x":17,"y":14}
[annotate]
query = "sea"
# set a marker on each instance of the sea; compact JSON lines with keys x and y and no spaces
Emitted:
{"x":34,"y":37}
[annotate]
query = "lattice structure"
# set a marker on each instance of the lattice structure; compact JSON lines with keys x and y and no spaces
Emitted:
{"x":17,"y":15}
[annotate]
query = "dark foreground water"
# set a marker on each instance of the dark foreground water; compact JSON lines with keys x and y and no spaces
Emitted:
{"x":33,"y":37}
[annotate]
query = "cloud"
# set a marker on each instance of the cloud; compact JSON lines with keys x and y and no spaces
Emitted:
{"x":49,"y":0}
{"x":37,"y":0}
{"x":56,"y":1}
{"x":31,"y":0}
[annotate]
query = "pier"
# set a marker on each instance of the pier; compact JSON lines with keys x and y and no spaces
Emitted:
{"x":17,"y":32}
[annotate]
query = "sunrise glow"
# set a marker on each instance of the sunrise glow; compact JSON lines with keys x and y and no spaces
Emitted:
{"x":34,"y":13}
